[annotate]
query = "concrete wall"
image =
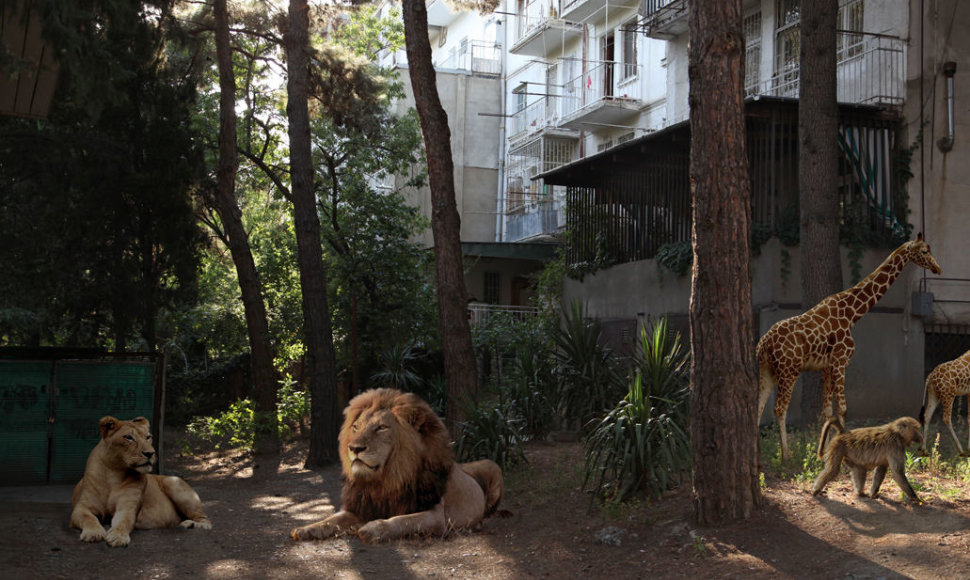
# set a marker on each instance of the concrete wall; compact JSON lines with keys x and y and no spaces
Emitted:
{"x":885,"y":377}
{"x":474,"y":150}
{"x":941,"y":185}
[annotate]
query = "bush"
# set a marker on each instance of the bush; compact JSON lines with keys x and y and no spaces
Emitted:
{"x":490,"y":431}
{"x":587,"y":378}
{"x":643,"y":443}
{"x":238,"y":425}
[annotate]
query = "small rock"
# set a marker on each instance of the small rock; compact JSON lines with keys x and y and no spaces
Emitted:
{"x":610,"y":535}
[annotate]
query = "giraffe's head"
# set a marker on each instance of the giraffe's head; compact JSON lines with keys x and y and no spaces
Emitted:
{"x":918,"y":253}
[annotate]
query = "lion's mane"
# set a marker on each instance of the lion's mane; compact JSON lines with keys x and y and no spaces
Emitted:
{"x":416,"y":474}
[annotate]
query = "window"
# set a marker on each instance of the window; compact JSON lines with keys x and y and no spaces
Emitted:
{"x":787,"y":41}
{"x":492,"y":287}
{"x":552,"y":91}
{"x":850,"y":20}
{"x":629,"y":50}
{"x":752,"y":53}
{"x":519,"y":97}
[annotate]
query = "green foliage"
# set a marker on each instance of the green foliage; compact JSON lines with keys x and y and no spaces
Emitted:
{"x":803,"y":465}
{"x":490,"y":431}
{"x":97,"y":230}
{"x":397,"y":370}
{"x":643,"y":443}
{"x":238,"y":425}
{"x":676,"y":257}
{"x":587,"y":376}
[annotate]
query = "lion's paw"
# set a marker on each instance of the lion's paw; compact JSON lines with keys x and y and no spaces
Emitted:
{"x":92,"y":535}
{"x":116,"y":539}
{"x":312,"y":532}
{"x":374,"y":531}
{"x":205,"y":524}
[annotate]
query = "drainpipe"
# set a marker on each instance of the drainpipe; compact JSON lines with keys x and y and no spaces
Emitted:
{"x":946,"y":143}
{"x":500,"y":188}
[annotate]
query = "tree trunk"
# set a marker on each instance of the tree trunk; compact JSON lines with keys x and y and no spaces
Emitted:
{"x":818,"y":168}
{"x":318,"y":333}
{"x":723,"y":380}
{"x":456,"y":341}
{"x":264,"y":375}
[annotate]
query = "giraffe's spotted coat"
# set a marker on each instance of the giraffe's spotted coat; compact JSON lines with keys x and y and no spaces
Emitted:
{"x":821,"y":338}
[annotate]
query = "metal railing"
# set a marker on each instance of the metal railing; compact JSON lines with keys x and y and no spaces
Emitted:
{"x":605,"y":80}
{"x":649,"y":7}
{"x":539,"y":15}
{"x":479,"y":312}
{"x":871,"y":69}
{"x":480,"y":57}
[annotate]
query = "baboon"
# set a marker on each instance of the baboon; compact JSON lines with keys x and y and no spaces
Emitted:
{"x":869,"y":448}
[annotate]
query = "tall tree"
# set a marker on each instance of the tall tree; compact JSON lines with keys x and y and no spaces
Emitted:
{"x":235,"y":236}
{"x":818,"y":168}
{"x":318,"y":334}
{"x":97,"y":228}
{"x":723,"y":378}
{"x":459,"y":359}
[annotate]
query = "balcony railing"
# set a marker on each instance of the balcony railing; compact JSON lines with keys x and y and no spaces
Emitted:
{"x":533,"y":118}
{"x":608,"y":81}
{"x":479,"y":312}
{"x":871,"y":70}
{"x":480,"y":57}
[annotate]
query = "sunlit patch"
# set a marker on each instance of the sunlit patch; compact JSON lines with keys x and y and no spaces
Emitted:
{"x":299,"y":510}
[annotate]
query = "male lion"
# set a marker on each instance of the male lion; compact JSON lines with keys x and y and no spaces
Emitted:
{"x":117,"y":484}
{"x":400,"y":476}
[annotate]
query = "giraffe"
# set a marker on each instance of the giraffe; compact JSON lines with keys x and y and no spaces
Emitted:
{"x":946,"y":382}
{"x":821,"y":338}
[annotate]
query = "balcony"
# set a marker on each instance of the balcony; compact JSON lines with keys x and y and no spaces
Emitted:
{"x":870,"y":70}
{"x":439,"y":14}
{"x":664,"y":19}
{"x":479,"y":312}
{"x":538,"y":119}
{"x":479,"y":57}
{"x":542,"y":34}
{"x":606,"y":94}
{"x":581,"y":10}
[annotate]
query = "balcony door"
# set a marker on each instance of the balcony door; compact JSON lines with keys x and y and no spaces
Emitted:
{"x":608,"y":56}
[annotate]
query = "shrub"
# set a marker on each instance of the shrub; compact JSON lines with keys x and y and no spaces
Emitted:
{"x":643,"y":442}
{"x":490,"y":431}
{"x":587,"y":378}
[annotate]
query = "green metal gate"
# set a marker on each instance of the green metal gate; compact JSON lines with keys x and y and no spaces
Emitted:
{"x":50,"y":404}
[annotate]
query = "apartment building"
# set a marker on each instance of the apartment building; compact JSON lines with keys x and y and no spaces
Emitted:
{"x":900,"y":125}
{"x":468,"y":52}
{"x":590,"y":128}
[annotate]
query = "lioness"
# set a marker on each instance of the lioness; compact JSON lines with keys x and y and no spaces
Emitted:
{"x":400,"y":476}
{"x":117,"y":484}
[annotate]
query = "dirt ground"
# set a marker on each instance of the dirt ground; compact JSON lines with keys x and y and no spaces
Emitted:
{"x":552,"y":532}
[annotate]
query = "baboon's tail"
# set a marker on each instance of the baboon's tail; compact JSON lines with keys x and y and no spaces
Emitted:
{"x":825,"y":430}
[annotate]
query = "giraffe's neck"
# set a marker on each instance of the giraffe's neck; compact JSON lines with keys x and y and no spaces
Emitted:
{"x":861,"y":297}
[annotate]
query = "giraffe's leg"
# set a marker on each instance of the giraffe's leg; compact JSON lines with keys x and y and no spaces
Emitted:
{"x":838,"y":382}
{"x":828,"y":404}
{"x":931,"y":402}
{"x":782,"y":399}
{"x":947,"y":409}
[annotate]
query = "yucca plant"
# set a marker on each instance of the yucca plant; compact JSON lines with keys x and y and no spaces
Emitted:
{"x":490,"y":431}
{"x":587,"y":377}
{"x":643,"y":443}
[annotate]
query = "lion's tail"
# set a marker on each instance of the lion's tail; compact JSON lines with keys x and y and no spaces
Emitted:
{"x":489,"y":476}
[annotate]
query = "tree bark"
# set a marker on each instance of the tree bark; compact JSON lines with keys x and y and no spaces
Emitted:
{"x":264,"y":374}
{"x":723,"y":378}
{"x":317,"y":329}
{"x":818,"y":168}
{"x":459,"y":359}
